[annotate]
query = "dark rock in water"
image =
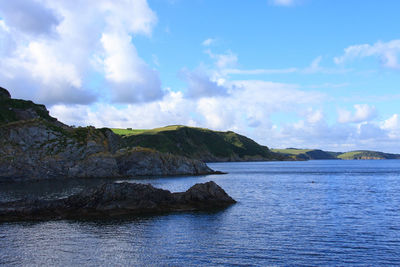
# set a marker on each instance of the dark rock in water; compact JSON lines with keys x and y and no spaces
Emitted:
{"x":4,"y":93}
{"x":118,"y":199}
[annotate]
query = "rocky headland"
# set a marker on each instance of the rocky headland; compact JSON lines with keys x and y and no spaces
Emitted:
{"x":115,"y":200}
{"x":199,"y":143}
{"x":34,"y":145}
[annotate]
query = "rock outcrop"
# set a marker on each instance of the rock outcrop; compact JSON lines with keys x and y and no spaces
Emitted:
{"x":118,"y":199}
{"x":34,"y":145}
{"x":4,"y":94}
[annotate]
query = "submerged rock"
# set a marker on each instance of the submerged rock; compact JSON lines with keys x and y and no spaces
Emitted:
{"x":118,"y":199}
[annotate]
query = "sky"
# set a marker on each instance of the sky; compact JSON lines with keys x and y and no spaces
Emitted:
{"x":286,"y":73}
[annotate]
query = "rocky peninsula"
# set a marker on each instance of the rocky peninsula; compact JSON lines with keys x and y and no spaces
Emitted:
{"x":34,"y":145}
{"x":115,"y":200}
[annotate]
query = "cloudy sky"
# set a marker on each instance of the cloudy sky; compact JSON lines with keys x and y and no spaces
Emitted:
{"x":287,"y":73}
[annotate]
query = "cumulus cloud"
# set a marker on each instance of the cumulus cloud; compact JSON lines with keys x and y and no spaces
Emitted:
{"x":363,"y":112}
{"x":29,"y":16}
{"x":91,"y":47}
{"x":247,"y":110}
{"x":387,"y":52}
{"x":132,"y":79}
{"x":173,"y":108}
{"x":392,"y":126}
{"x":249,"y":105}
{"x":201,"y":85}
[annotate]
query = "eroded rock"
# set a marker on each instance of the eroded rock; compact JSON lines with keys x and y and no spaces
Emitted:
{"x":118,"y":199}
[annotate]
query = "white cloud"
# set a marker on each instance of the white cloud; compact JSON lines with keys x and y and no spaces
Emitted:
{"x":387,"y":53}
{"x":60,"y":67}
{"x":314,"y":116}
{"x":247,"y":108}
{"x":283,"y":2}
{"x":29,"y":16}
{"x":200,"y":85}
{"x":173,"y":108}
{"x":208,"y":42}
{"x":223,"y":61}
{"x":130,"y":15}
{"x":392,"y":125}
{"x":363,"y":112}
{"x":313,"y":68}
{"x":132,"y":79}
{"x":260,"y":71}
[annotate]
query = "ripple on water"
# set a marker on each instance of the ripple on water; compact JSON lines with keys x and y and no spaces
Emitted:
{"x":289,"y":213}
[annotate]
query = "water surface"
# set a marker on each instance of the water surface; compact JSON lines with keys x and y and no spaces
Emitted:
{"x":288,"y":213}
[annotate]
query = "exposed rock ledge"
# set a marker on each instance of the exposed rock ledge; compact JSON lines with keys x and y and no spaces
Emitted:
{"x":34,"y":145}
{"x":117,"y":199}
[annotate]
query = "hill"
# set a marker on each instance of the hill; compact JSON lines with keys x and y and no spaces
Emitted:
{"x":198,"y":143}
{"x":306,"y":154}
{"x":315,"y":154}
{"x":34,"y":145}
{"x":367,"y":154}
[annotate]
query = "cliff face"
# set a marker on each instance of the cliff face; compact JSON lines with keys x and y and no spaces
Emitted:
{"x":34,"y":145}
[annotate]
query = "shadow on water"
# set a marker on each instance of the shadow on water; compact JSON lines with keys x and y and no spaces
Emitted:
{"x":59,"y":188}
{"x":289,"y":213}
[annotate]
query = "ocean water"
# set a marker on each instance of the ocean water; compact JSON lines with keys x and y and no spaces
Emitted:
{"x":288,"y":213}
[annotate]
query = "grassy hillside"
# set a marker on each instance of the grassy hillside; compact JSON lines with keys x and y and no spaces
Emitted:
{"x":366,"y":154}
{"x":310,"y":154}
{"x":306,"y":154}
{"x":198,"y":143}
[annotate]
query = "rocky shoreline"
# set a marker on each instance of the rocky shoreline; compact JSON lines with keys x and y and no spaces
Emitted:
{"x":112,"y":200}
{"x":34,"y":145}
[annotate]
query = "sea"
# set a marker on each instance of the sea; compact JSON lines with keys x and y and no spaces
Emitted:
{"x":312,"y":213}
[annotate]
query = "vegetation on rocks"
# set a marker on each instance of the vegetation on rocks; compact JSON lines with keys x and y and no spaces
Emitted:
{"x":34,"y":145}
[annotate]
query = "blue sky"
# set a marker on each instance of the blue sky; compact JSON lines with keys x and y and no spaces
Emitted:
{"x":287,"y":73}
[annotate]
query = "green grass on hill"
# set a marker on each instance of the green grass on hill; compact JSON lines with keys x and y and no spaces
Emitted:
{"x":196,"y":142}
{"x":306,"y":154}
{"x":367,"y":154}
{"x":291,"y":151}
{"x":129,"y":131}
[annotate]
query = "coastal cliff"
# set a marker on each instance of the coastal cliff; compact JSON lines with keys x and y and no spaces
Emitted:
{"x":34,"y":145}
